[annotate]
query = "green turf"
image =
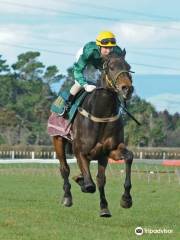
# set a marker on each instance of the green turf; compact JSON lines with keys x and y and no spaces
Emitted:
{"x":30,"y":208}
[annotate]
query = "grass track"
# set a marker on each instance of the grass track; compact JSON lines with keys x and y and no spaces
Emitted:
{"x":30,"y":209}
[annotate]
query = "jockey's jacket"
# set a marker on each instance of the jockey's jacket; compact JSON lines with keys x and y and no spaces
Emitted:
{"x":89,"y":54}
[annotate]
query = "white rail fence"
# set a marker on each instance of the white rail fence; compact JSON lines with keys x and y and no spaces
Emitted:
{"x":27,"y":155}
{"x":152,"y":172}
{"x":13,"y":154}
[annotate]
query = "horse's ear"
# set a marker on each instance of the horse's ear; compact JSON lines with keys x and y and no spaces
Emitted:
{"x":123,"y":54}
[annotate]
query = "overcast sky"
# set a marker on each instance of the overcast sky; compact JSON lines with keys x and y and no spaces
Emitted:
{"x":148,"y":29}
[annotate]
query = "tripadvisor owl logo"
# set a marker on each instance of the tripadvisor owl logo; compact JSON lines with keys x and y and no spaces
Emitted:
{"x":139,"y":231}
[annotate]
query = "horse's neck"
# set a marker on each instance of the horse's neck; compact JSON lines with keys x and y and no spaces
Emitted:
{"x":102,"y":103}
{"x":102,"y":81}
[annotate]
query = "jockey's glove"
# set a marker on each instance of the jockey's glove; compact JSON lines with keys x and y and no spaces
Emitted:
{"x":89,"y":88}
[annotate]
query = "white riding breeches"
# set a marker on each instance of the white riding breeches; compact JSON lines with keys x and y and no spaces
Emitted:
{"x":76,"y":87}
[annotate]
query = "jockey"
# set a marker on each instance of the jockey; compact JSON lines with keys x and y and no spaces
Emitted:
{"x":92,"y":53}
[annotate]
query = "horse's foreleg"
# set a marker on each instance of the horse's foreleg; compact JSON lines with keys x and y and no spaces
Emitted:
{"x":85,"y":180}
{"x":123,"y":153}
{"x":101,"y":181}
{"x":59,"y":145}
{"x":126,"y":200}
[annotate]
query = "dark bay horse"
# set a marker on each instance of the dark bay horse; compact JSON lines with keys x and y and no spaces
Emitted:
{"x":98,"y":133}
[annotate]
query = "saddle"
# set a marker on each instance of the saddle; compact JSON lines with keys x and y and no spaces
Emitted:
{"x":58,"y":105}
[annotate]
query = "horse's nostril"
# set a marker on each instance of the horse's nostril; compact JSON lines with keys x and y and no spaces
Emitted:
{"x":125,"y":88}
{"x":128,"y":89}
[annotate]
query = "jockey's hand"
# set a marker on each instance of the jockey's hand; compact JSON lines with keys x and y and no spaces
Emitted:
{"x":89,"y":88}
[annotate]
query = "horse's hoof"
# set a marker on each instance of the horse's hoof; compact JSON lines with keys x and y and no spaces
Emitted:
{"x":67,"y":202}
{"x":126,"y":202}
{"x":105,"y":212}
{"x":90,"y":188}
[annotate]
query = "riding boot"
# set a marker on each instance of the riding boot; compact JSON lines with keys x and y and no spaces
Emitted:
{"x":69,"y":102}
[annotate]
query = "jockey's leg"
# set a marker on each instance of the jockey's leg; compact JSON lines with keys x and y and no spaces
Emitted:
{"x":73,"y":91}
{"x":76,"y":87}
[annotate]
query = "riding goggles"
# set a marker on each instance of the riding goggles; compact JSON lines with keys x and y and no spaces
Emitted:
{"x":106,"y":41}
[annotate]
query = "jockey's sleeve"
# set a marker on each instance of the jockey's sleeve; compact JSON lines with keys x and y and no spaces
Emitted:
{"x":80,"y":64}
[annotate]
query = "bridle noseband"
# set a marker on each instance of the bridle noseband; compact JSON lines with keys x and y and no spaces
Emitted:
{"x":111,"y":80}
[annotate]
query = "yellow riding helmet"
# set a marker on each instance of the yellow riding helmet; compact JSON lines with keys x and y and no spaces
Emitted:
{"x":106,"y":39}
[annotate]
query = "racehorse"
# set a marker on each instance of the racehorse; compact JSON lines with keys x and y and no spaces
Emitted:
{"x":98,"y":133}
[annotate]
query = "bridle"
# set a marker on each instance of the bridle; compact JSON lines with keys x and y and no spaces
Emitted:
{"x":110,"y":78}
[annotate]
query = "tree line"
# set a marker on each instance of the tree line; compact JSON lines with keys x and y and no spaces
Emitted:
{"x":26,"y":97}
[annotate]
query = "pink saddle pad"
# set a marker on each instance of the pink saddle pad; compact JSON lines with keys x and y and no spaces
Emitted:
{"x":59,"y":126}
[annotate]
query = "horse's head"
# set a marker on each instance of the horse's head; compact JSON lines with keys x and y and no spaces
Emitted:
{"x":118,"y":75}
